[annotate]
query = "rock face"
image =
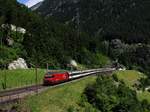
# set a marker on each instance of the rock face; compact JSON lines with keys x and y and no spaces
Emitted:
{"x":116,"y":43}
{"x":9,"y":41}
{"x":18,"y":64}
{"x":18,"y":29}
{"x":14,"y":28}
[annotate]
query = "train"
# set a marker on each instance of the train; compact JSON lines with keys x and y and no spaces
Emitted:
{"x":52,"y":78}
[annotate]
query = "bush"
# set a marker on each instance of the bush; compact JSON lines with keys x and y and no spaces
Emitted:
{"x":7,"y":55}
{"x":108,"y":97}
{"x":115,"y":77}
{"x":101,"y":60}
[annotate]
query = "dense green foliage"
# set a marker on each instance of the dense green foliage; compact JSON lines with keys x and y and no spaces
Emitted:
{"x":10,"y":53}
{"x":46,"y":40}
{"x":128,"y":20}
{"x":134,"y":56}
{"x":109,"y":96}
{"x":56,"y":44}
{"x":13,"y":13}
{"x":145,"y":82}
{"x":107,"y":20}
{"x":53,"y":42}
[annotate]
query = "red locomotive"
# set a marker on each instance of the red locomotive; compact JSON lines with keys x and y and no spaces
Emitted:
{"x":55,"y":77}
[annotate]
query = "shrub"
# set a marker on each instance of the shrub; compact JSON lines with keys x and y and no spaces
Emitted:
{"x":107,"y":97}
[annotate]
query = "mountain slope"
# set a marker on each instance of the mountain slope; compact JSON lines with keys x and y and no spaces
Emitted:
{"x":45,"y":41}
{"x":36,"y":6}
{"x":128,"y":19}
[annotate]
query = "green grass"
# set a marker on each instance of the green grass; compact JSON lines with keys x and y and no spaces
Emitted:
{"x":144,"y":96}
{"x":19,"y":78}
{"x":58,"y":99}
{"x":130,"y":77}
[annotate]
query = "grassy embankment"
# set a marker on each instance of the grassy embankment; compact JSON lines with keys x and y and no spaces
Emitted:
{"x":58,"y":99}
{"x":19,"y":78}
{"x":130,"y":77}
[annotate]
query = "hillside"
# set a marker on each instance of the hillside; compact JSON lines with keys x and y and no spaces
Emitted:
{"x":46,"y":39}
{"x":118,"y":29}
{"x":96,"y":37}
{"x":128,"y":20}
{"x":13,"y":14}
{"x":132,"y":77}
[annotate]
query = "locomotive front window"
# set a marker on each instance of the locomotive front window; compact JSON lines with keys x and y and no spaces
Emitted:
{"x":50,"y":73}
{"x":49,"y":76}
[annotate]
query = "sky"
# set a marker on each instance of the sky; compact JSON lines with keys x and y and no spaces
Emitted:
{"x":29,"y":3}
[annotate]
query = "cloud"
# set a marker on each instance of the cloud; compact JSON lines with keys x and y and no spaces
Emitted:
{"x":30,"y":3}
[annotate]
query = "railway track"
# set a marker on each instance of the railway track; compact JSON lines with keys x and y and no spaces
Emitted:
{"x":15,"y":95}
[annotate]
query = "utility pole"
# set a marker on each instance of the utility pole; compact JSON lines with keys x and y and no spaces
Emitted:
{"x":47,"y":67}
{"x":5,"y":77}
{"x":1,"y":37}
{"x":36,"y":79}
{"x":36,"y":76}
